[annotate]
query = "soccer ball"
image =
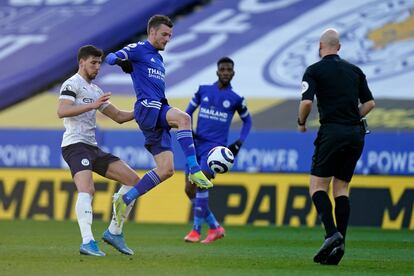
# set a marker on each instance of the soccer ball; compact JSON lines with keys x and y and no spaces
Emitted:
{"x":220,"y":159}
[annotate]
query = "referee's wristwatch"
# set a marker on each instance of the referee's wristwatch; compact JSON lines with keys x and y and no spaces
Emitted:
{"x":300,"y":123}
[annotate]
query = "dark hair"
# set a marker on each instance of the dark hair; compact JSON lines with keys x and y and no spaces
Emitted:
{"x":156,"y":20}
{"x":89,"y":50}
{"x":225,"y":60}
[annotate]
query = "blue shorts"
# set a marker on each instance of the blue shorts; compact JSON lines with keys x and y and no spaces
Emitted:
{"x":202,"y":149}
{"x":151,"y":117}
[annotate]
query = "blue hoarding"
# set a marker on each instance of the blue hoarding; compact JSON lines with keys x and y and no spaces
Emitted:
{"x":263,"y":151}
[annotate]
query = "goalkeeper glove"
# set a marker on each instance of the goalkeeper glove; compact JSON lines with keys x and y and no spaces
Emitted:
{"x":235,"y":147}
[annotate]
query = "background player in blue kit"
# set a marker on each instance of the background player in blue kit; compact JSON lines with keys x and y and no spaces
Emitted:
{"x":152,"y":112}
{"x":212,"y":130}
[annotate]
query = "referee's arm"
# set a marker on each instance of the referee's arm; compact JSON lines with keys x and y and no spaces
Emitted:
{"x":308,"y":93}
{"x":365,"y":96}
{"x":305,"y":108}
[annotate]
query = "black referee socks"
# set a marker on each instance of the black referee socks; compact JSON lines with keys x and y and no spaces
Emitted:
{"x":324,"y":207}
{"x":342,"y":211}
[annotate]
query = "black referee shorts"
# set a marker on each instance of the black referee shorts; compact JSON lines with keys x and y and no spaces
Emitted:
{"x":337,"y":150}
{"x":81,"y":156}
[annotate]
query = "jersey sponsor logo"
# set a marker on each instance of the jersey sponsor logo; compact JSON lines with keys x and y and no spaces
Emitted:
{"x":376,"y":36}
{"x":87,"y":100}
{"x":226,"y":104}
{"x":305,"y":86}
{"x":213,"y":114}
{"x":85,"y":162}
{"x":155,"y":73}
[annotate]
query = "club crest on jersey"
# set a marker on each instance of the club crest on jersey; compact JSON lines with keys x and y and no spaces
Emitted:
{"x":85,"y":162}
{"x":226,"y":104}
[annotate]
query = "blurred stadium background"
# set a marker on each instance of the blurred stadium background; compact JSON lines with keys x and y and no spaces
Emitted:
{"x":271,"y":42}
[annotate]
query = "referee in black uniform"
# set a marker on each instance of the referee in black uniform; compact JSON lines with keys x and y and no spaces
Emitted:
{"x":343,"y":98}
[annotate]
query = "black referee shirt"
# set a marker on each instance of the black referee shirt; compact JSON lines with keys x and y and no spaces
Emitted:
{"x":339,"y":86}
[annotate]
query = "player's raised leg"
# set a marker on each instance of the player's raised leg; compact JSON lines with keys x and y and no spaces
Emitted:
{"x":182,"y":121}
{"x":164,"y":170}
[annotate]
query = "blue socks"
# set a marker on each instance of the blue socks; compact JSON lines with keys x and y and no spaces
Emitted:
{"x":211,"y":220}
{"x":185,"y":139}
{"x":202,"y":212}
{"x":198,"y":217}
{"x":200,"y":204}
{"x":147,"y":182}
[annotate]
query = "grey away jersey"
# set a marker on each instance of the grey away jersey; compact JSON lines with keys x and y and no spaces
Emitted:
{"x":80,"y":128}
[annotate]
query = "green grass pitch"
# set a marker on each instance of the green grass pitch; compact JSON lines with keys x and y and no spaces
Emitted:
{"x":51,"y":248}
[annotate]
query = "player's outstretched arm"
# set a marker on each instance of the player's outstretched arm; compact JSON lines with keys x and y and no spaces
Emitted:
{"x":125,"y":64}
{"x":117,"y":115}
{"x":67,"y":108}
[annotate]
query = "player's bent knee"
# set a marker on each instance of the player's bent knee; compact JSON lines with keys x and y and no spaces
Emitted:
{"x":185,"y":120}
{"x":166,"y":173}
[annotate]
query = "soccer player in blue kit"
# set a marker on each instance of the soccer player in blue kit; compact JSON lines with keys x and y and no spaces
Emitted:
{"x":217,"y":104}
{"x":152,"y":112}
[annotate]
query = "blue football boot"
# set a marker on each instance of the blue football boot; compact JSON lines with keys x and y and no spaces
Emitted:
{"x":118,"y":242}
{"x":91,"y":249}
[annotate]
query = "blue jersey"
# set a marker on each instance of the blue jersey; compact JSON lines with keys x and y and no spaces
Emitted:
{"x":217,"y":108}
{"x":148,"y":76}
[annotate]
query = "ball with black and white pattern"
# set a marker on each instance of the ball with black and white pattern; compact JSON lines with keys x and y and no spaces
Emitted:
{"x":220,"y":159}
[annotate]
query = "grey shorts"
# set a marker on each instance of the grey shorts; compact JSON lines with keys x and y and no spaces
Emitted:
{"x":82,"y":156}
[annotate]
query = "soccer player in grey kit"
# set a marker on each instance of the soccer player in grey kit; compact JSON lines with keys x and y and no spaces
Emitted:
{"x":78,"y":101}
